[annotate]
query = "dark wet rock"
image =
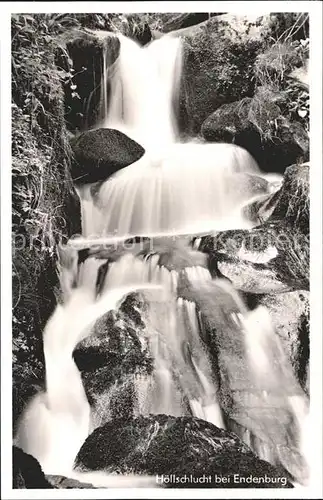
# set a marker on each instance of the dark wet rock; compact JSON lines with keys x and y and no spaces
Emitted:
{"x":100,"y":153}
{"x":145,"y":35}
{"x":185,"y":20}
{"x":258,"y":125}
{"x":85,"y":48}
{"x":27,"y":472}
{"x":235,"y":121}
{"x":270,"y":258}
{"x":66,"y":483}
{"x":289,"y":313}
{"x":218,"y":59}
{"x":112,"y":357}
{"x":166,"y":445}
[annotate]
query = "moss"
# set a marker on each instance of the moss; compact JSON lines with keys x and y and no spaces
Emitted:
{"x":273,"y":74}
{"x":217,"y":69}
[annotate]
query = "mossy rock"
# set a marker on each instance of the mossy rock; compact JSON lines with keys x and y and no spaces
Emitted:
{"x":218,"y":59}
{"x":270,"y":258}
{"x":166,"y":445}
{"x":99,"y":153}
{"x":27,"y":472}
{"x":257,"y":125}
{"x":112,"y":356}
{"x":293,"y":199}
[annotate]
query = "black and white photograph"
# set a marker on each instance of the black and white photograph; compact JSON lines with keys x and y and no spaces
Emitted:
{"x":161,"y":260}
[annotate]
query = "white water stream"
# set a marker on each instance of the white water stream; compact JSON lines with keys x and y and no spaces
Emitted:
{"x":173,"y":189}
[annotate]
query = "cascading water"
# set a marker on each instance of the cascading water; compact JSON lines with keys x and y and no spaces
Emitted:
{"x":174,"y":189}
{"x":143,"y":82}
{"x":189,"y":190}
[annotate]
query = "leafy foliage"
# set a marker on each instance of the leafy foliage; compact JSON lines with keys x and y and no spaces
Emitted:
{"x":274,"y":71}
{"x":42,"y":192}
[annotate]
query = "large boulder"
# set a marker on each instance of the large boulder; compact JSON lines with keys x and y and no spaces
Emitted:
{"x":100,"y":153}
{"x":256,"y":380}
{"x":258,"y":125}
{"x":218,"y":64}
{"x":27,"y":472}
{"x":270,"y":258}
{"x":113,"y":358}
{"x":170,"y":447}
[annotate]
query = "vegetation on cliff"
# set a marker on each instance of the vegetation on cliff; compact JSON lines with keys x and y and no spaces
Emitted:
{"x":44,"y":203}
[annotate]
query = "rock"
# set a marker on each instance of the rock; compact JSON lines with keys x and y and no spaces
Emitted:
{"x":185,"y":20}
{"x":289,"y":313}
{"x":112,"y":357}
{"x":255,"y":377}
{"x":250,"y":277}
{"x":285,"y":20}
{"x":145,"y":35}
{"x":218,"y":60}
{"x":26,"y":471}
{"x":260,"y":209}
{"x":66,"y":483}
{"x":166,"y":445}
{"x":258,"y":125}
{"x":289,"y":203}
{"x":86,"y":49}
{"x":100,"y":153}
{"x":293,"y":203}
{"x":271,"y":258}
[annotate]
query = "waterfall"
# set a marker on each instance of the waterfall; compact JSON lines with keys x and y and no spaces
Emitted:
{"x":143,"y":83}
{"x":174,"y":189}
{"x":188,"y":191}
